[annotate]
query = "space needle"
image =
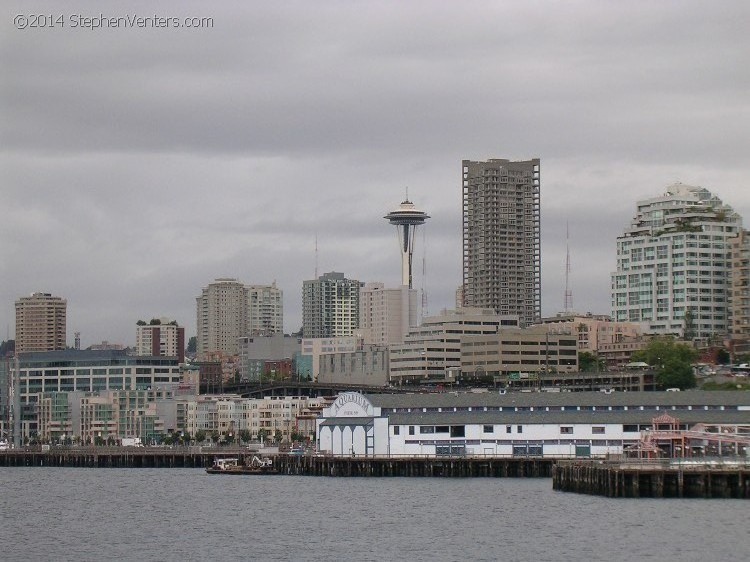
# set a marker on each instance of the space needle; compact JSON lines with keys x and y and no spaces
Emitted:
{"x":406,"y":218}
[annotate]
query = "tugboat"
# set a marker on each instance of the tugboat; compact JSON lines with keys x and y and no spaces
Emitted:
{"x":232,"y":466}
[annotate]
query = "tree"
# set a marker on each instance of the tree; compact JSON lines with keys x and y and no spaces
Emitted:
{"x":262,"y":434}
{"x":589,"y":362}
{"x":672,"y":361}
{"x":200,"y":436}
{"x":723,"y":357}
{"x":245,"y":435}
{"x":192,"y":345}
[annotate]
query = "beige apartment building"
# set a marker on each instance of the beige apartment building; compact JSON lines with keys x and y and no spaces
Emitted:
{"x":386,"y":315}
{"x":40,"y":323}
{"x":162,"y":337}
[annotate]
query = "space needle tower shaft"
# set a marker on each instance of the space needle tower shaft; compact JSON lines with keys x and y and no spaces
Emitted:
{"x":406,"y":218}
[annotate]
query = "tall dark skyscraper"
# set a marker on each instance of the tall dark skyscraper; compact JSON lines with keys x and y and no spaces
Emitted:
{"x":501,"y":237}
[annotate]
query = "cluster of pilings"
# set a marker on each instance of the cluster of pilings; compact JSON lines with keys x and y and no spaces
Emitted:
{"x":456,"y":467}
{"x":653,"y":480}
{"x":299,"y":465}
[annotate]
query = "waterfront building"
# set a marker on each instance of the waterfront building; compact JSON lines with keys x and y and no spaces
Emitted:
{"x":674,"y":263}
{"x":100,"y":418}
{"x":386,"y":315}
{"x":162,"y":337}
{"x":330,"y":306}
{"x":432,"y":352}
{"x":514,"y":424}
{"x":501,"y":237}
{"x":85,"y":371}
{"x":40,"y":323}
{"x":265,"y":310}
{"x":222,"y":317}
{"x":271,"y":417}
{"x":55,"y":417}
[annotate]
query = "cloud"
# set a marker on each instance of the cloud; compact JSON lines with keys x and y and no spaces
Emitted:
{"x":139,"y":165}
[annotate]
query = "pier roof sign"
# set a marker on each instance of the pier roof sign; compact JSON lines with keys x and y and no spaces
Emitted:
{"x":352,"y":404}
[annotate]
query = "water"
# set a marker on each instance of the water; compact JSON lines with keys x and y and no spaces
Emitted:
{"x":185,"y":514}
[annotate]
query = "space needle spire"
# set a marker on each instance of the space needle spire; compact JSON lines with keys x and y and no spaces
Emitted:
{"x":406,"y":218}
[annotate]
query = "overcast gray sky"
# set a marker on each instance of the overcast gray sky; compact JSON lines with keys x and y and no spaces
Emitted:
{"x":139,"y":164}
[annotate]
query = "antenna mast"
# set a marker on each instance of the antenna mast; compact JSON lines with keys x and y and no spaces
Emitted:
{"x":316,"y":255}
{"x":425,"y":310}
{"x":568,"y":300}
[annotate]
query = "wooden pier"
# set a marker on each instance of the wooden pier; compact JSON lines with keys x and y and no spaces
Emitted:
{"x":663,"y":478}
{"x":300,"y":465}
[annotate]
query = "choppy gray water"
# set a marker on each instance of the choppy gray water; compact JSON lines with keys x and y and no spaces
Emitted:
{"x":185,"y":514}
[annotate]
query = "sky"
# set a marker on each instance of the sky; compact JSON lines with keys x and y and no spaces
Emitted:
{"x":138,"y":164}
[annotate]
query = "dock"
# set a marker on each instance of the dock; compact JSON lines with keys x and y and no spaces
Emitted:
{"x":655,"y":478}
{"x":288,"y":464}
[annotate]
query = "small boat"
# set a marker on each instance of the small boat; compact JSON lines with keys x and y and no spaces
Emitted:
{"x":233,"y":466}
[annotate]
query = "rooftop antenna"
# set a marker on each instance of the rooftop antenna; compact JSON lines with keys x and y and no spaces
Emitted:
{"x":568,"y":300}
{"x":425,"y":310}
{"x":316,"y":254}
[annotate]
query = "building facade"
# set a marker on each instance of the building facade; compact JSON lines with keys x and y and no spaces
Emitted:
{"x":222,"y":317}
{"x":262,"y":355}
{"x":386,"y":315}
{"x":740,"y":292}
{"x":432,"y":352}
{"x":265,"y":310}
{"x":365,"y":367}
{"x":516,"y":424}
{"x":330,"y":306}
{"x":41,"y":323}
{"x":674,"y":263}
{"x":501,"y":237}
{"x":84,"y":371}
{"x":162,"y":337}
{"x":512,"y":352}
{"x":315,"y":349}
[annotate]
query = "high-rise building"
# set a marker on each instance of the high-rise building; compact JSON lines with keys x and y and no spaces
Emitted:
{"x":161,"y":337}
{"x":386,"y":315}
{"x":40,"y":323}
{"x":330,"y":306}
{"x":674,"y":263}
{"x":740,"y":293}
{"x":501,"y":237}
{"x":222,"y":317}
{"x":266,"y":310}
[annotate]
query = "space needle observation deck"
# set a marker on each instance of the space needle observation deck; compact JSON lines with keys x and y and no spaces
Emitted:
{"x":406,"y":218}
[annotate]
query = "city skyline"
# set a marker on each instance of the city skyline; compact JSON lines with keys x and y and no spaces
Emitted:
{"x":140,"y":165}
